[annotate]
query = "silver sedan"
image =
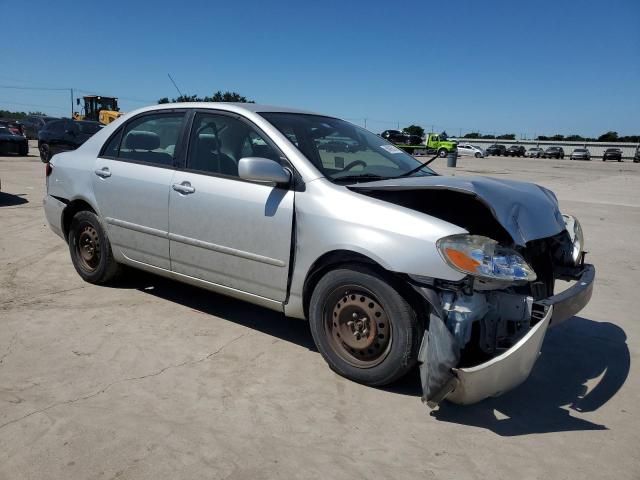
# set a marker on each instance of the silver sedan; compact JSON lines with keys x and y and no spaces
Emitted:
{"x":466,"y":149}
{"x":392,"y":264}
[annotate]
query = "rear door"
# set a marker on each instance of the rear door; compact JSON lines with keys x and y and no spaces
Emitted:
{"x":132,"y":179}
{"x":225,"y":230}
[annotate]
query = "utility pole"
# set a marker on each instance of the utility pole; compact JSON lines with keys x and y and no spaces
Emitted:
{"x":71,"y":92}
{"x":365,"y":122}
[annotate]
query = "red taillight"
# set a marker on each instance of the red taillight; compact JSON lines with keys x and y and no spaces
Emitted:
{"x":48,"y":169}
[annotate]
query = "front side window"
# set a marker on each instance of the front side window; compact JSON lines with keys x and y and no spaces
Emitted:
{"x":342,"y":151}
{"x":152,"y":138}
{"x":218,"y":142}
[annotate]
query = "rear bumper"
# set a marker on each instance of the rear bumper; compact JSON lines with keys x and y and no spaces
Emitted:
{"x":509,"y":369}
{"x":53,"y":209}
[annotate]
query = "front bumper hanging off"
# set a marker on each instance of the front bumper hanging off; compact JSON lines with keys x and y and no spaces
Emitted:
{"x":439,"y":353}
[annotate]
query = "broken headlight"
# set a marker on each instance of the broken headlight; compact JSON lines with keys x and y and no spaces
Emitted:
{"x":483,"y":257}
{"x":577,"y":238}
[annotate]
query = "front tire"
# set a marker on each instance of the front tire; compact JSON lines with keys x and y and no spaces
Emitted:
{"x":363,"y":327}
{"x":442,"y":152}
{"x":90,"y":249}
{"x":477,"y":155}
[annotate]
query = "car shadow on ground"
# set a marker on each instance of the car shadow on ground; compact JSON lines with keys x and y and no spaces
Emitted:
{"x":248,"y":315}
{"x":578,"y":352}
{"x":10,"y":200}
{"x":574,"y":353}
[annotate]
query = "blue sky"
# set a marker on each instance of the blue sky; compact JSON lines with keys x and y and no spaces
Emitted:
{"x":539,"y":67}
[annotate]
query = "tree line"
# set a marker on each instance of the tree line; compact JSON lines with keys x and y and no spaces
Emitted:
{"x":218,"y":96}
{"x":605,"y":137}
{"x":18,"y":115}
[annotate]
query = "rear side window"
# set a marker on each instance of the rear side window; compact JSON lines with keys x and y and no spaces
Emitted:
{"x":151,"y":139}
{"x":113,"y":145}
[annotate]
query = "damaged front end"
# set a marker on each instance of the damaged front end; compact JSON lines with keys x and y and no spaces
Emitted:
{"x":485,"y":332}
{"x":484,"y":336}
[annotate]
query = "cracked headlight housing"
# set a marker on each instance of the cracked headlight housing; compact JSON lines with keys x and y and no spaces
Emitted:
{"x":577,"y":237}
{"x":485,"y":258}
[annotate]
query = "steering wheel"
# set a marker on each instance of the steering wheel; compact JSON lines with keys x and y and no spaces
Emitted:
{"x":355,"y":163}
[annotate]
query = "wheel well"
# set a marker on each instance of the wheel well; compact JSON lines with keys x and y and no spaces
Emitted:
{"x":70,"y":210}
{"x":343,"y":258}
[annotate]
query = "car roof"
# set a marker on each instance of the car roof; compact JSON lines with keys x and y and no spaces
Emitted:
{"x":228,"y":106}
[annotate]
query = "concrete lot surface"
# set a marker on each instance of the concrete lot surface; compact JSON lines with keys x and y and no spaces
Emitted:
{"x":151,"y":379}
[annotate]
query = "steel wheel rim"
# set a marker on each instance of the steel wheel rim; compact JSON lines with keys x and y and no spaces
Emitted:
{"x":357,"y":327}
{"x":88,"y":247}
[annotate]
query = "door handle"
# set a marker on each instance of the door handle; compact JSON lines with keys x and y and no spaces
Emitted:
{"x":185,"y":188}
{"x":103,"y":172}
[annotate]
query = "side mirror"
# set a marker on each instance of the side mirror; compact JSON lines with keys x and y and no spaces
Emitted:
{"x":263,"y":170}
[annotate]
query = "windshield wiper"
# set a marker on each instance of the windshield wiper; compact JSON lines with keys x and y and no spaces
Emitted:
{"x":367,"y":177}
{"x":418,"y":168}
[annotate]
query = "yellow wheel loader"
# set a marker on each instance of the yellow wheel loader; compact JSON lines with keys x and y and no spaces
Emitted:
{"x":99,"y":109}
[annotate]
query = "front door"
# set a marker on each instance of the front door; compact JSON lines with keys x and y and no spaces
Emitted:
{"x":131,"y":181}
{"x":222,"y":229}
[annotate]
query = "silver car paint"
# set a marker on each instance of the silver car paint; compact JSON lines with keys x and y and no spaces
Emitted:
{"x":232,"y":233}
{"x":134,"y":203}
{"x":469,"y":150}
{"x":328,"y":218}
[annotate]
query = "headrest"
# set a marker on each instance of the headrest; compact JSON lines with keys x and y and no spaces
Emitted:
{"x":142,"y":141}
{"x":208,"y":141}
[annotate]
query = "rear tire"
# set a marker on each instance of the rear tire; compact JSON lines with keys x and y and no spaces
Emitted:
{"x":363,"y":327}
{"x":45,"y":152}
{"x":90,"y":249}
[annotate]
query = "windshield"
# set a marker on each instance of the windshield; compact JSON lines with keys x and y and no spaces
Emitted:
{"x":342,"y":151}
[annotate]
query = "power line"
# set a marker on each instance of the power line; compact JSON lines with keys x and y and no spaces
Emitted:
{"x":31,"y":105}
{"x":14,"y":87}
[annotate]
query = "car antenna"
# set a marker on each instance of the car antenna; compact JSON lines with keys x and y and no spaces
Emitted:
{"x":174,"y":84}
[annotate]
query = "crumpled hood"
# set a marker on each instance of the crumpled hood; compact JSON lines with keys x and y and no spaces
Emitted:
{"x":526,"y":211}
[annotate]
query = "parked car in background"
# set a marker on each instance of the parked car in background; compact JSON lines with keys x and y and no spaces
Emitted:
{"x":612,"y":154}
{"x":370,"y":247}
{"x":396,"y":136}
{"x":580,"y":154}
{"x":496,"y":149}
{"x":554,"y":152}
{"x":516,"y":151}
{"x":63,"y":135}
{"x":636,"y":157}
{"x":466,"y":149}
{"x":33,"y":124}
{"x":14,"y":126}
{"x":535,"y":152}
{"x":11,"y":142}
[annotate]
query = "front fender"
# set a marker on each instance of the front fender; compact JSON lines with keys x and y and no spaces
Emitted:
{"x":330,"y":217}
